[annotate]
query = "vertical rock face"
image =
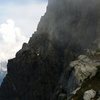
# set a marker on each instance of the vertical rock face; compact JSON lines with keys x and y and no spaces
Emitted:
{"x":40,"y":70}
{"x":71,"y":21}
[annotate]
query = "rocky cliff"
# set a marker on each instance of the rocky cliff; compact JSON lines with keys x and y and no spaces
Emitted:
{"x":61,"y":60}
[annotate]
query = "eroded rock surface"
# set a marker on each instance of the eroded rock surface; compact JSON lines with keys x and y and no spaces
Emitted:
{"x":84,"y":68}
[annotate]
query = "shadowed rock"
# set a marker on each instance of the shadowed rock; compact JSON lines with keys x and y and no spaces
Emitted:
{"x":41,"y":70}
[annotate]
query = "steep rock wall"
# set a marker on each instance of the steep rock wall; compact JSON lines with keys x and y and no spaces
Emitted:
{"x":40,"y":70}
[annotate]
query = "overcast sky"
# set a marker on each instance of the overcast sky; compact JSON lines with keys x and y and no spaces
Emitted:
{"x":18,"y":20}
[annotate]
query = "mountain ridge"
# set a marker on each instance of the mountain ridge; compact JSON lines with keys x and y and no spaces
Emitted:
{"x":41,"y":70}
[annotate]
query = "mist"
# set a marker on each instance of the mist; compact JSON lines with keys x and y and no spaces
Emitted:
{"x":72,"y":22}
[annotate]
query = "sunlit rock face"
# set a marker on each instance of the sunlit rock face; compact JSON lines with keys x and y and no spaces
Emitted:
{"x":41,"y":69}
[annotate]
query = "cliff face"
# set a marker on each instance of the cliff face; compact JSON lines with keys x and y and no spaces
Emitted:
{"x":71,"y":21}
{"x":42,"y":69}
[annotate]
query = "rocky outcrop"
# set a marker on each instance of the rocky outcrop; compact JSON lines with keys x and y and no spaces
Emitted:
{"x":76,"y":78}
{"x":84,"y":68}
{"x":49,"y":67}
{"x":89,"y":86}
{"x":90,"y":94}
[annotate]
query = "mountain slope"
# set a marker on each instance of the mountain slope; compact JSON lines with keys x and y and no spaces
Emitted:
{"x":41,"y":69}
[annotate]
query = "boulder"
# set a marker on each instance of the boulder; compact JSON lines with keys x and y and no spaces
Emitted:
{"x":84,"y":68}
{"x":89,"y":94}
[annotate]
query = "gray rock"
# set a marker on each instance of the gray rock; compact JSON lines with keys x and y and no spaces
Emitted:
{"x":41,"y":70}
{"x":89,"y":94}
{"x":84,"y":68}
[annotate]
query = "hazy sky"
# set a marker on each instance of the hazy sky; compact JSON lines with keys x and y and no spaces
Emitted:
{"x":18,"y":20}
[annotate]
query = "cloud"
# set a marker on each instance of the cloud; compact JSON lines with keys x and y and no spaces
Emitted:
{"x":21,"y":1}
{"x":14,"y":32}
{"x":11,"y":39}
{"x":26,"y":16}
